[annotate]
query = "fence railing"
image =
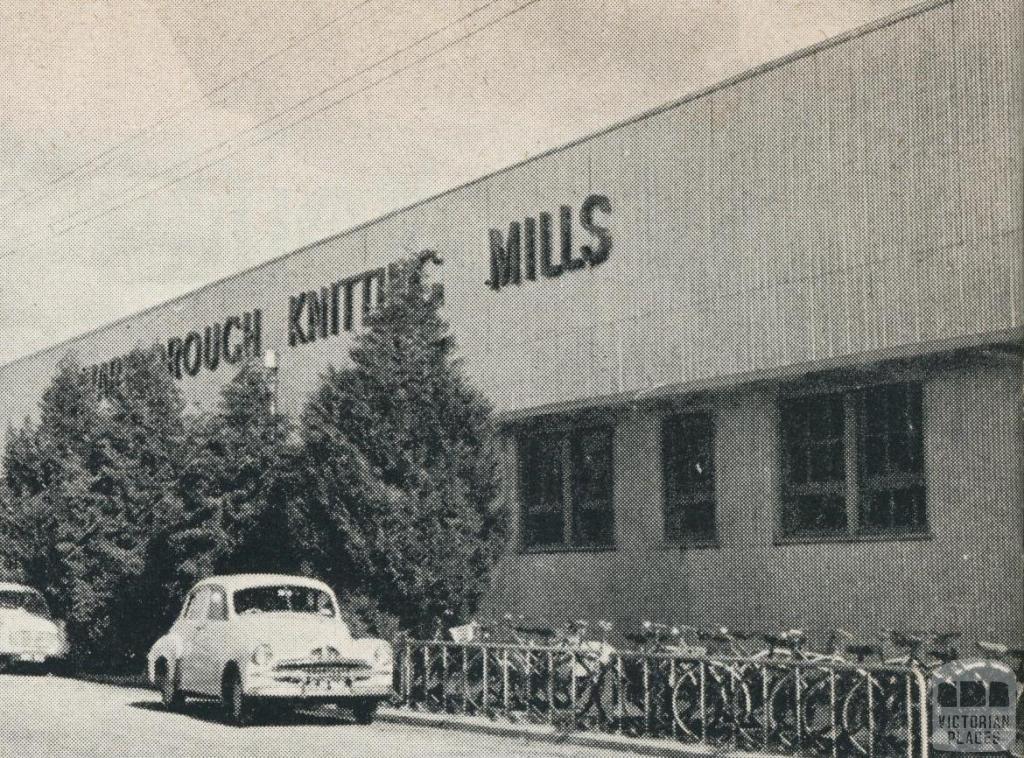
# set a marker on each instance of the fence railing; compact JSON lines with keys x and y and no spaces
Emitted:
{"x":776,"y":704}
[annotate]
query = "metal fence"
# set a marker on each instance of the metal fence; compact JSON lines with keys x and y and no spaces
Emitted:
{"x":773,"y":704}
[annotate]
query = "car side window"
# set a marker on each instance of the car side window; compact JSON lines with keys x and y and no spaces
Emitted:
{"x":197,"y":605}
{"x":188,"y":604}
{"x":218,"y":605}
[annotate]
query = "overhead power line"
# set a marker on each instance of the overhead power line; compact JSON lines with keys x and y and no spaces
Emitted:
{"x":129,"y":199}
{"x":284,"y":111}
{"x":201,"y":98}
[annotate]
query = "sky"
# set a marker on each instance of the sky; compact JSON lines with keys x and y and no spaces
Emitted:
{"x":149,"y":147}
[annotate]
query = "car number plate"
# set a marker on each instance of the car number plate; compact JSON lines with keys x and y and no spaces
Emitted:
{"x":321,"y":685}
{"x":31,"y":657}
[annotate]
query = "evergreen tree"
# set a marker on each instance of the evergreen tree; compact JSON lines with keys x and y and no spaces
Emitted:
{"x":235,"y":486}
{"x":94,"y":494}
{"x":401,"y":466}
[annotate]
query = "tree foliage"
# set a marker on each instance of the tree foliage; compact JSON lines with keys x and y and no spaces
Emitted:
{"x":402,"y":465}
{"x":115,"y":505}
{"x":93,"y":489}
{"x":236,"y":486}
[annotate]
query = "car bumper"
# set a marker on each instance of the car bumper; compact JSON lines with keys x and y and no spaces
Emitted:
{"x":29,"y":656}
{"x":320,"y":689}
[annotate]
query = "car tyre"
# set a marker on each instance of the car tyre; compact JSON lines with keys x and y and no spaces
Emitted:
{"x":364,"y":710}
{"x":169,"y":684}
{"x":238,"y":707}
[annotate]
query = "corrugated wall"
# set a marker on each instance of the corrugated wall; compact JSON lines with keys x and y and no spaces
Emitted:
{"x":863,"y":196}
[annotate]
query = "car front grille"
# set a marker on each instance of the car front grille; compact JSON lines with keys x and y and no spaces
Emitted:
{"x":335,"y":667}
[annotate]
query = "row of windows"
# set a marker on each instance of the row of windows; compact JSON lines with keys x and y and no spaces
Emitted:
{"x":852,"y":463}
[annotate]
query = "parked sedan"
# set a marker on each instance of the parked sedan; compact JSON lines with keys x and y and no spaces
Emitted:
{"x":261,"y":638}
{"x":28,"y":633}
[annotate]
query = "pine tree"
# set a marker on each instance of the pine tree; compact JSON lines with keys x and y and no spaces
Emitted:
{"x":236,"y":487}
{"x":402,"y":466}
{"x":93,"y":495}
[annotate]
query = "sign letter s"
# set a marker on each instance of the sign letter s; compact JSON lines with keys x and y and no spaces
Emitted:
{"x":597,"y":255}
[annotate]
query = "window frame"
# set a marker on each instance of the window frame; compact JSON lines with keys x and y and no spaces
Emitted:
{"x":566,"y":431}
{"x":852,"y":392}
{"x":710,"y":539}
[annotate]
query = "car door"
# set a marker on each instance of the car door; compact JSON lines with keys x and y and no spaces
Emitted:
{"x":188,"y":627}
{"x":210,"y":647}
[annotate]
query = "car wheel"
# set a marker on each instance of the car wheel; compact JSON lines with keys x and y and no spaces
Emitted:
{"x":364,"y":711}
{"x":170,"y":691}
{"x":238,"y":707}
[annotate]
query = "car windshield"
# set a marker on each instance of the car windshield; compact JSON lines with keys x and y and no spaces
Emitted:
{"x":283,"y":598}
{"x":31,"y":601}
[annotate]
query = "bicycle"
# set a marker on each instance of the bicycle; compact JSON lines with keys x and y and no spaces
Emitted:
{"x":878,"y":715}
{"x":1014,"y":656}
{"x":645,"y":682}
{"x":712,"y":699}
{"x":578,"y":684}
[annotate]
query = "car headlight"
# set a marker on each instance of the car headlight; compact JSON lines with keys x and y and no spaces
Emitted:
{"x":382,"y":657}
{"x":262,"y":655}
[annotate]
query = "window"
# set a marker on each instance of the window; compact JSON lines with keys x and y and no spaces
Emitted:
{"x":813,"y":464}
{"x":891,"y":458}
{"x":853,"y":462}
{"x":218,"y":605}
{"x":567,"y":488}
{"x":688,"y":461}
{"x":284,"y":598}
{"x":195,"y":608}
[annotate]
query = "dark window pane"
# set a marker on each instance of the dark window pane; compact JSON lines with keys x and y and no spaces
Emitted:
{"x":541,"y":487}
{"x":592,"y":459}
{"x":891,"y":444}
{"x":541,"y":529}
{"x":814,"y":464}
{"x":688,"y":460}
{"x":814,"y":513}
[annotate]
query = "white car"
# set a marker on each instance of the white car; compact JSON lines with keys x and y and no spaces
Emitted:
{"x":265,"y":638}
{"x":28,"y":633}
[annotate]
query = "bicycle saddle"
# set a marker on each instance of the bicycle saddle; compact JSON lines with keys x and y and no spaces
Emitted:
{"x":637,"y":638}
{"x":862,"y":650}
{"x":945,"y":654}
{"x":540,"y":631}
{"x":907,"y":639}
{"x":996,"y":648}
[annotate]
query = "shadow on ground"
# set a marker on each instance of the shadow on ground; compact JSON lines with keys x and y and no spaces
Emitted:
{"x":210,"y":711}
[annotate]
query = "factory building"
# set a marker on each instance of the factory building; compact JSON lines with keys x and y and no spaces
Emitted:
{"x":756,"y":354}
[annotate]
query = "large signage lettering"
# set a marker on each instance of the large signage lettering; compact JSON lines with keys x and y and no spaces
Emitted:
{"x":528,"y":247}
{"x":232,"y":340}
{"x":330,"y":310}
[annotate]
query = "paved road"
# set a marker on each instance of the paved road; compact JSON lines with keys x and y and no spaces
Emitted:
{"x":53,"y":717}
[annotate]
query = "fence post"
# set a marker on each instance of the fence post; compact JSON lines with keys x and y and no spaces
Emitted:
{"x":465,"y":678}
{"x":703,"y":702}
{"x":551,"y":687}
{"x":487,"y":682}
{"x":922,"y":688}
{"x":871,"y":715}
{"x":832,"y":711}
{"x":504,"y":678}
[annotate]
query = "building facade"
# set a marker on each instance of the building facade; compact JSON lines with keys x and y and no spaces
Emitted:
{"x":757,"y":354}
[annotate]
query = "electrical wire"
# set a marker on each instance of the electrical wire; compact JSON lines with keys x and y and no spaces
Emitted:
{"x":201,"y":98}
{"x":130,"y":199}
